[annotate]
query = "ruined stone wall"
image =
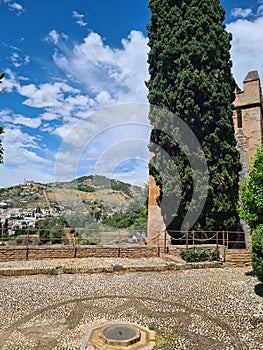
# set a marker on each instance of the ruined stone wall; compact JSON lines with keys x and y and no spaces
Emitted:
{"x":155,"y":225}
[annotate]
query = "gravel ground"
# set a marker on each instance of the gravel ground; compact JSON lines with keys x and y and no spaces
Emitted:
{"x":84,"y":262}
{"x":192,"y":309}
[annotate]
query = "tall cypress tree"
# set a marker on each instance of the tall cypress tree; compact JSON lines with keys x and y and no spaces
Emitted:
{"x":190,"y":75}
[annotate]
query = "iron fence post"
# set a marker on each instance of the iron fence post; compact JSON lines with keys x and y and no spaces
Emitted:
{"x":217,"y":255}
{"x":165,"y":243}
{"x":27,"y":240}
{"x":186,"y":248}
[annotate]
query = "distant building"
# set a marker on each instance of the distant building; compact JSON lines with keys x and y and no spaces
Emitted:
{"x":247,"y":116}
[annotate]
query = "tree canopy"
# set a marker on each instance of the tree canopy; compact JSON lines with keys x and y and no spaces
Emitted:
{"x":251,"y":190}
{"x":190,"y":75}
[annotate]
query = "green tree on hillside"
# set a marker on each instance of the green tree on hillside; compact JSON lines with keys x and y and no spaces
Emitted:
{"x":44,"y":227}
{"x":190,"y":75}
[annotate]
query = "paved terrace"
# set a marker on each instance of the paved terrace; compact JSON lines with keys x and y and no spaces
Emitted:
{"x":194,"y":309}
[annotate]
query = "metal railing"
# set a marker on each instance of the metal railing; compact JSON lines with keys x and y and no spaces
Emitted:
{"x":219,"y":241}
{"x":201,"y":240}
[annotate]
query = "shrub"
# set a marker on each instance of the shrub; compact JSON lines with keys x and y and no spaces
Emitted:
{"x":199,"y":255}
{"x":257,"y":252}
{"x":84,"y":242}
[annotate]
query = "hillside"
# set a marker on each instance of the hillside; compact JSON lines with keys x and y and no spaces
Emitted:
{"x":85,"y":193}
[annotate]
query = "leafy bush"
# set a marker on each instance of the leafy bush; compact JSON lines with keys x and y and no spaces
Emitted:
{"x":257,"y":252}
{"x":84,"y":242}
{"x":199,"y":255}
{"x":252,"y":193}
{"x":56,"y":234}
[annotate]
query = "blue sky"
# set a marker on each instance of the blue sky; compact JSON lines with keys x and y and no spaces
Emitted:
{"x":75,"y":99}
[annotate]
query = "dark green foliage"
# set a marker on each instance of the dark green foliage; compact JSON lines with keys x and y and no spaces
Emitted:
{"x":121,"y":187}
{"x":257,"y":252}
{"x":83,"y":228}
{"x":131,"y":220}
{"x":45,"y":226}
{"x":190,"y":75}
{"x":135,"y":216}
{"x":56,"y":234}
{"x":6,"y":225}
{"x":79,"y":220}
{"x":199,"y":255}
{"x":252,"y":208}
{"x":86,"y":188}
{"x":252,"y":193}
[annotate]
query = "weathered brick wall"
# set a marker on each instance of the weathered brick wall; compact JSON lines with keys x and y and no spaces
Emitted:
{"x":56,"y":252}
{"x":96,"y":252}
{"x":12,"y":253}
{"x":139,"y":252}
{"x":39,"y":253}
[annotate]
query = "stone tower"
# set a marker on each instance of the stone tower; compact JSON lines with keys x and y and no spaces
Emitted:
{"x":247,"y":117}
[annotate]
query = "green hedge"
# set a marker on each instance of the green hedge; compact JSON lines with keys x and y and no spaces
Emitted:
{"x":199,"y":255}
{"x":257,"y":252}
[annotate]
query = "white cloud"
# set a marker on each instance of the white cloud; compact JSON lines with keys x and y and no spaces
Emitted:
{"x":14,"y":6}
{"x":79,"y":18}
{"x":9,"y":83}
{"x":110,"y":75}
{"x":18,"y":60}
{"x":239,"y":12}
{"x":26,"y":59}
{"x":246,"y":52}
{"x":260,"y":10}
{"x":119,"y":73}
{"x":8,"y":117}
{"x":48,"y":116}
{"x":53,"y":36}
{"x":14,"y":59}
{"x":22,"y":159}
{"x":46,"y":95}
{"x":30,"y":122}
{"x":19,"y":147}
{"x":104,"y":139}
{"x":15,"y":176}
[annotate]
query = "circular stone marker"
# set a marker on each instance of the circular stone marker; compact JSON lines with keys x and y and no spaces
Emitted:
{"x":121,"y":335}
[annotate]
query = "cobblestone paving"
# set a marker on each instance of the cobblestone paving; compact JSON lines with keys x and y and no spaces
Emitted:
{"x":192,"y":309}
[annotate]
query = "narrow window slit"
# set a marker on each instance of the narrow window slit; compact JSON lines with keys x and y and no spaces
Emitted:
{"x":239,"y":118}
